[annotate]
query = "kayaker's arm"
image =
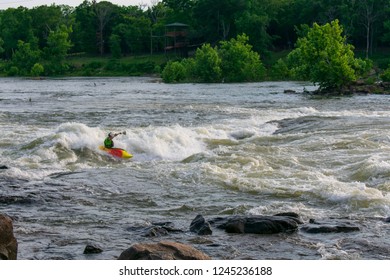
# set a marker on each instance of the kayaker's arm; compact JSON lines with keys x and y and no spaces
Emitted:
{"x":116,"y":134}
{"x":123,"y":132}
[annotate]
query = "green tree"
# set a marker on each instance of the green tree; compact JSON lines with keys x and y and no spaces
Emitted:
{"x":115,"y":46}
{"x":1,"y":46}
{"x":217,"y":18}
{"x":104,"y":12}
{"x":179,"y":10}
{"x":15,"y":25}
{"x":134,"y":31}
{"x":255,"y":21}
{"x":208,"y":64}
{"x":25,"y":57}
{"x":158,"y":18}
{"x":324,"y":57}
{"x":45,"y":19}
{"x":239,"y":62}
{"x":58,"y":45}
{"x":368,"y":13}
{"x":84,"y":29}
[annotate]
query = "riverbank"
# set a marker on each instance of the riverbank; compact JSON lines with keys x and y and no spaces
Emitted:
{"x":147,"y":65}
{"x":358,"y":87}
{"x":163,"y":241}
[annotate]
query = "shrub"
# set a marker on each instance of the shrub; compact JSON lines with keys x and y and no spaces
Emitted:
{"x":207,"y":64}
{"x":239,"y":62}
{"x":37,"y":70}
{"x":189,"y":67}
{"x":280,"y":71}
{"x":173,"y":72}
{"x":385,"y":76}
{"x":13,"y":71}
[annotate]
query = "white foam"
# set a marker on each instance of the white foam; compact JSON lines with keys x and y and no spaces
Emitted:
{"x":167,"y":143}
{"x":78,"y":136}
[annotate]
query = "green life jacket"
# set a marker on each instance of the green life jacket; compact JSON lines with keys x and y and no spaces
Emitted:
{"x":108,"y":143}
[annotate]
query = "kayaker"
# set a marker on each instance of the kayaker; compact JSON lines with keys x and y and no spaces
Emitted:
{"x":108,"y":143}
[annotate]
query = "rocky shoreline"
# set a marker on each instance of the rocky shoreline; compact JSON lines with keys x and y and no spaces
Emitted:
{"x":358,"y":87}
{"x":168,"y":249}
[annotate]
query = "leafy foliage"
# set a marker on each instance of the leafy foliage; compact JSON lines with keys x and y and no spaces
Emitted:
{"x":1,"y":46}
{"x":58,"y":45}
{"x":239,"y":62}
{"x":385,"y":76}
{"x":102,"y":28}
{"x":173,"y":72}
{"x":208,"y":64}
{"x":24,"y":58}
{"x":37,"y":70}
{"x":324,"y":57}
{"x":115,"y":46}
{"x":234,"y":61}
{"x":280,"y":70}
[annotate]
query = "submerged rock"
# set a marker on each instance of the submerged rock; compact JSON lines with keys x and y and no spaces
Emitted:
{"x":8,"y":243}
{"x":164,"y":250}
{"x":156,"y":232}
{"x":14,"y":199}
{"x":200,"y":226}
{"x":329,"y":227}
{"x":258,"y":224}
{"x":92,"y":249}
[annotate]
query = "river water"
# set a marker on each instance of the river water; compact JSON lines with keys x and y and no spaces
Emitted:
{"x":210,"y":149}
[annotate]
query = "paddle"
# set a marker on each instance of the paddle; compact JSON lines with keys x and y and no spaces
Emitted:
{"x":119,"y":133}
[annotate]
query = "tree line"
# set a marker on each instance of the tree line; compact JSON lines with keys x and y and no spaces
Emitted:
{"x":37,"y":40}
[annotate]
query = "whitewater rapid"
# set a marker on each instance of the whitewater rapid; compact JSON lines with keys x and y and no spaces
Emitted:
{"x":214,"y":149}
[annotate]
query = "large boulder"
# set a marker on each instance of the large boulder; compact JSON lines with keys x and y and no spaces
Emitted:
{"x":164,"y":250}
{"x":8,"y":243}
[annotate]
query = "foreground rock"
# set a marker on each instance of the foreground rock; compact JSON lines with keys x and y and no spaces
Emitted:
{"x":258,"y":224}
{"x":8,"y":243}
{"x":164,"y":250}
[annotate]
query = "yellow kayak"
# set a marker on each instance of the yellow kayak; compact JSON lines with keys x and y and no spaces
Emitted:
{"x":116,"y":152}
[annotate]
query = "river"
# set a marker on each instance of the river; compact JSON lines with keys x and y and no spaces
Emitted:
{"x":210,"y":149}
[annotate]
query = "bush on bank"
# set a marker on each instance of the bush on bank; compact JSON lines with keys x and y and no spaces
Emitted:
{"x":231,"y":61}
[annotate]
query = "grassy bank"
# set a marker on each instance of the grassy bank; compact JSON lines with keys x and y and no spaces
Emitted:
{"x":81,"y":65}
{"x":146,"y":64}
